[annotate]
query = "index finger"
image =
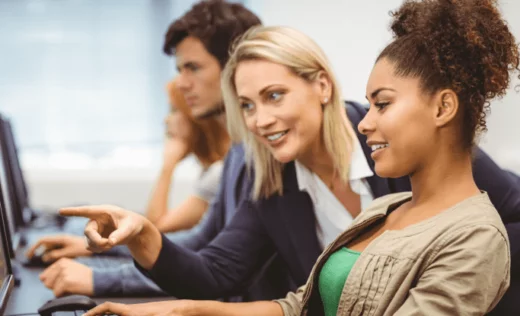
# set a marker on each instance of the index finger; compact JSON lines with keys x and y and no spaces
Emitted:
{"x":84,"y":211}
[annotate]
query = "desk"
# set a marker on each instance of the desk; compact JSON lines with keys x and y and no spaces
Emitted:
{"x":31,"y":294}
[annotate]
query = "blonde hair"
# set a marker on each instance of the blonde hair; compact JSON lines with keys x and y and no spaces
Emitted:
{"x":299,"y":53}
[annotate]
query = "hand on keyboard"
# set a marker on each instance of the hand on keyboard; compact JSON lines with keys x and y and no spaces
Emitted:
{"x":60,"y":246}
{"x":67,"y":276}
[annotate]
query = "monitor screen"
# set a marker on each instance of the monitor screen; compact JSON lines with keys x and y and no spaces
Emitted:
{"x":14,"y":174}
{"x":8,"y":207}
{"x":21,"y":187}
{"x":6,"y":274}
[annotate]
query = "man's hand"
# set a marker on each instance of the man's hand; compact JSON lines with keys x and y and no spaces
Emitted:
{"x":60,"y":246}
{"x":67,"y":276}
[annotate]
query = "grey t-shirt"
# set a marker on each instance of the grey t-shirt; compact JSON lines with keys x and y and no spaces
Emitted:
{"x":207,"y":186}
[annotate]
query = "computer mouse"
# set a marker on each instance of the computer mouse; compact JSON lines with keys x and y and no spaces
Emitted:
{"x":67,"y":304}
{"x":34,"y":261}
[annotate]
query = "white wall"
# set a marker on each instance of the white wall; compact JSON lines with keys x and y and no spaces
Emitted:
{"x":352,"y":33}
{"x":54,"y":183}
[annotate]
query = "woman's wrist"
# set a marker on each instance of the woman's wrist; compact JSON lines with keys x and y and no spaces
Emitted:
{"x":146,"y":245}
{"x":169,"y":166}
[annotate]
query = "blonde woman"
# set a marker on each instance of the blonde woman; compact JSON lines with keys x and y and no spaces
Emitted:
{"x":313,"y":176}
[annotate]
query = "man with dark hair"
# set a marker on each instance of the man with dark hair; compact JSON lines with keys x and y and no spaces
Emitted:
{"x":200,"y":41}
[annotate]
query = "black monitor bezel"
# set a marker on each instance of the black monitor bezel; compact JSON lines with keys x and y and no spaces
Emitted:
{"x":16,"y":204}
{"x":8,"y":284}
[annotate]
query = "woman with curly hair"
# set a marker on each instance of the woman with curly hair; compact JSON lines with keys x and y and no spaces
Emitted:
{"x":441,"y":249}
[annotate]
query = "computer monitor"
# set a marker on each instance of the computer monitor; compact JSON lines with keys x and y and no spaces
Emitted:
{"x":7,"y":197}
{"x":19,"y":184}
{"x":13,"y":173}
{"x":6,"y":272}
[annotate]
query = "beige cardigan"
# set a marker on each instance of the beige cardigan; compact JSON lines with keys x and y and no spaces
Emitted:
{"x":454,"y":263}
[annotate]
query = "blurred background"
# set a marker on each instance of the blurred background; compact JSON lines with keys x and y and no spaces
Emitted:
{"x":83,"y":82}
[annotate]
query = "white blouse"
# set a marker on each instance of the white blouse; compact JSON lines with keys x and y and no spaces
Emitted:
{"x":332,"y":218}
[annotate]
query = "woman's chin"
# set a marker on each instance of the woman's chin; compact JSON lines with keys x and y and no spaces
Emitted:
{"x":386,"y":171}
{"x":283,"y":156}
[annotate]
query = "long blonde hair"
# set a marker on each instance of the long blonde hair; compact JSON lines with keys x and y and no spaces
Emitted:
{"x":299,"y":53}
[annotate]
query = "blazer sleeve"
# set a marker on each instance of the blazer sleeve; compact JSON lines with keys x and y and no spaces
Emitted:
{"x":222,"y":268}
{"x":467,"y":276}
{"x":503,"y":189}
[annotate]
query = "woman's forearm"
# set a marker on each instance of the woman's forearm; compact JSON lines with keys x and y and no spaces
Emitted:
{"x":185,"y":216}
{"x":215,"y":308}
{"x":158,"y":204}
{"x":146,"y":246}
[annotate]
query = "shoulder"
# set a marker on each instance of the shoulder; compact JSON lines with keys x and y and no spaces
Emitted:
{"x":478,"y":210}
{"x":382,"y":204}
{"x":236,"y":154}
{"x":475,"y":215}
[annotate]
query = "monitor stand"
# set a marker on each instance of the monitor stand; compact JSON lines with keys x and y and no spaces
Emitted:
{"x":15,"y":266}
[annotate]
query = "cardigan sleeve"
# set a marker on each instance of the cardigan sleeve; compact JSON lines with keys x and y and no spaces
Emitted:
{"x":467,"y":276}
{"x":292,"y":303}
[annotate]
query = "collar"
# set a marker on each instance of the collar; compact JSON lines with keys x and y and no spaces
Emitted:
{"x":359,"y":168}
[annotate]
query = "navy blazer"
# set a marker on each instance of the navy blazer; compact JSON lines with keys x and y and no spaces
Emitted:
{"x":285,"y":226}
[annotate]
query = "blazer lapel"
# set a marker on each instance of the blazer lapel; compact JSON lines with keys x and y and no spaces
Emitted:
{"x":294,"y":207}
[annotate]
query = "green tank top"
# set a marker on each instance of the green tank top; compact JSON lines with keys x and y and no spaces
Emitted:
{"x":333,"y":276}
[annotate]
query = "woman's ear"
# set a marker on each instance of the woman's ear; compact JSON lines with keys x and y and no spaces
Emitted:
{"x":446,"y":107}
{"x":324,"y":87}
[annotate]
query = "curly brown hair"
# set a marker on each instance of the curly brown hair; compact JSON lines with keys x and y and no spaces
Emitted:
{"x":463,"y":45}
{"x":215,"y":23}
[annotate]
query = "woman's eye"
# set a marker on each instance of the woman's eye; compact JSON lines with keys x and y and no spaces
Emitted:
{"x":247,"y":106}
{"x":275,"y":96}
{"x":381,"y":105}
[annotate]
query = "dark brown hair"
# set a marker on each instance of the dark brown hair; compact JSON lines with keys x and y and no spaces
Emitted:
{"x":463,"y":45}
{"x":215,"y":23}
{"x":209,"y":140}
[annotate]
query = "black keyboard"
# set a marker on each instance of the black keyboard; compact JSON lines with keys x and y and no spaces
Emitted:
{"x":70,"y":313}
